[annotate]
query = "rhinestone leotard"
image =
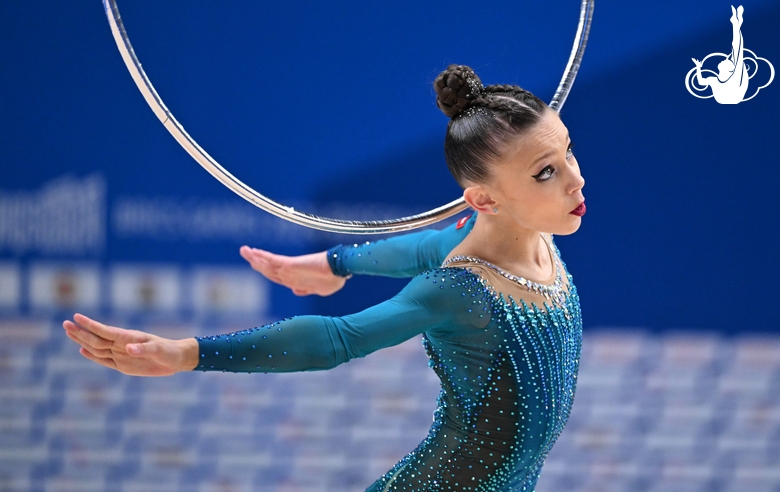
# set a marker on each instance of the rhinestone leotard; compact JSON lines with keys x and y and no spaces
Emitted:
{"x":507,"y":368}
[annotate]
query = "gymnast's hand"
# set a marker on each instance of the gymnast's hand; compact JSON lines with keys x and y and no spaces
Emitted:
{"x":305,"y":275}
{"x":130,"y":351}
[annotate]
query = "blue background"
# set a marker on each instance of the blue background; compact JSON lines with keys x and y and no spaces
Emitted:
{"x":330,"y":106}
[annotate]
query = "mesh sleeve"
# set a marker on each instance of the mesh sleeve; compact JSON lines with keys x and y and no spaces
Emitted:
{"x":433,"y":300}
{"x":399,"y":256}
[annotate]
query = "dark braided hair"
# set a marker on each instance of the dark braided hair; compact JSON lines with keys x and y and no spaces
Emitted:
{"x":483,"y":120}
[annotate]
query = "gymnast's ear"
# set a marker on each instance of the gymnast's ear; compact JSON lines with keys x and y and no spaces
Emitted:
{"x":478,"y":197}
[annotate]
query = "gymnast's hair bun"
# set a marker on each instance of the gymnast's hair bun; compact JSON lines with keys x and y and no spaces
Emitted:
{"x":455,"y":88}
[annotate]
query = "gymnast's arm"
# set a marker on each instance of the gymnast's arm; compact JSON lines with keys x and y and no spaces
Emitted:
{"x":303,"y":343}
{"x":325,"y":273}
{"x":399,"y":256}
{"x":701,"y":80}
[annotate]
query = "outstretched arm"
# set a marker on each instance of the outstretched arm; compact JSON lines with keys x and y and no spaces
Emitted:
{"x":297,"y":344}
{"x":308,"y":343}
{"x":326,"y":272}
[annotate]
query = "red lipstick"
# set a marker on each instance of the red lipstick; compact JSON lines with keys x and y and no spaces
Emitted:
{"x":579,"y":211}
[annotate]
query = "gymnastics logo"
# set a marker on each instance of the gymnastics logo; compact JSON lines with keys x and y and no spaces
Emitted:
{"x":730,"y":83}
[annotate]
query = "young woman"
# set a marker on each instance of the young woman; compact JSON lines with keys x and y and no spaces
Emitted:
{"x":498,"y":311}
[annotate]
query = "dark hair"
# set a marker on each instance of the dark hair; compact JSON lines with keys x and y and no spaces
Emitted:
{"x":482,"y":120}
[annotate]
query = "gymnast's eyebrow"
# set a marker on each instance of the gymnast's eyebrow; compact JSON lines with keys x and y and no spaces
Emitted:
{"x":548,"y":154}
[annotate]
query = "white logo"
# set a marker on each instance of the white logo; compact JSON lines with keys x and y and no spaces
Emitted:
{"x":730,"y":83}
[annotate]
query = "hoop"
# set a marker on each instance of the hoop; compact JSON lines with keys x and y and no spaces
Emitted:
{"x":289,"y":213}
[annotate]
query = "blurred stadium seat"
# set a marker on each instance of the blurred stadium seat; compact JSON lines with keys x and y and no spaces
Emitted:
{"x":689,"y":412}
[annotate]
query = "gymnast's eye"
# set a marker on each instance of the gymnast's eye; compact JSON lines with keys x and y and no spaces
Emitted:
{"x":569,"y":151}
{"x":545,"y":174}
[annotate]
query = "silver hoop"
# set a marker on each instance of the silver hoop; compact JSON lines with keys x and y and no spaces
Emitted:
{"x":289,"y":213}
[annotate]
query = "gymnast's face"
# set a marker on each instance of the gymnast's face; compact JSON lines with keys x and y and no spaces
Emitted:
{"x":537,"y":183}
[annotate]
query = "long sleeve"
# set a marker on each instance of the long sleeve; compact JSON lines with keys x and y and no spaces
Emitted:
{"x":400,"y":256}
{"x":308,"y":343}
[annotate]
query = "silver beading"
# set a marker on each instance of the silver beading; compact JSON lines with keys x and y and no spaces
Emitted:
{"x":554,"y":292}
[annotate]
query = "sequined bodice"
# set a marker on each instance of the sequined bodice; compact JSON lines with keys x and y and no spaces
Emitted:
{"x":507,"y":390}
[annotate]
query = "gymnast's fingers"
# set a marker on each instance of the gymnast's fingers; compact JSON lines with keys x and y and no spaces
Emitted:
{"x":99,"y":353}
{"x":273,"y":260}
{"x":84,"y":337}
{"x":73,"y":337}
{"x":246,"y":253}
{"x":258,"y":264}
{"x":99,"y":329}
{"x":254,"y":257}
{"x":268,"y":264}
{"x":103,"y":362}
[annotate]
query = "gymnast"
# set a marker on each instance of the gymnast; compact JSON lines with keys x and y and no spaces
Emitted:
{"x":499,"y":314}
{"x":731,"y":84}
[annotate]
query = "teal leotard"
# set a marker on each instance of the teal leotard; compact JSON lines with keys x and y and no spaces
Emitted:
{"x":508,"y":370}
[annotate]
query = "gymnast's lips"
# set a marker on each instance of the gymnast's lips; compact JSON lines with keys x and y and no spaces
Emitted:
{"x":579,"y":211}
